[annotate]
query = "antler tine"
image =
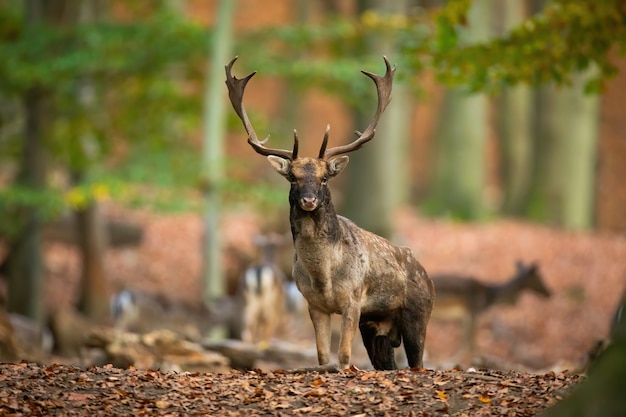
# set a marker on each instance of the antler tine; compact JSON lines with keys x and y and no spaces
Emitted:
{"x":236,"y":88}
{"x":383,"y":89}
{"x":324,"y":142}
{"x":294,"y":153}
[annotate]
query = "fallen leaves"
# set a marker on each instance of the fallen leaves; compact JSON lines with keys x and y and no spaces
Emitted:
{"x":30,"y":389}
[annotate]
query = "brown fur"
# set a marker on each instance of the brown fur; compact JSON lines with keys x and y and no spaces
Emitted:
{"x":343,"y":269}
{"x":340,"y":268}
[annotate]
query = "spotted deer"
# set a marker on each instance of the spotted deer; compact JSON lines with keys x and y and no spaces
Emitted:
{"x":464,"y":298}
{"x":338,"y":267}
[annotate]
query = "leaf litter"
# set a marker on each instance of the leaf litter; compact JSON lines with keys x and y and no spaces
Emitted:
{"x":28,"y":389}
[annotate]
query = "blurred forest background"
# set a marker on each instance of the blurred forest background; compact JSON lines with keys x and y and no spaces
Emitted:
{"x":115,"y":111}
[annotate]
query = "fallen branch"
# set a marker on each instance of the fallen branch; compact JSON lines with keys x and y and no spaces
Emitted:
{"x":245,"y":355}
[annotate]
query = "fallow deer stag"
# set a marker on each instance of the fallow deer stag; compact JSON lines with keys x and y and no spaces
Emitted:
{"x":339,"y":267}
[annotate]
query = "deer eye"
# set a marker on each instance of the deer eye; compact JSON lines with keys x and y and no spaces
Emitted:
{"x":324,"y":181}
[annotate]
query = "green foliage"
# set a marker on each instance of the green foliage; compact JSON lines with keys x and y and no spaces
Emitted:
{"x":127,"y":68}
{"x":144,"y":75}
{"x":130,"y":72}
{"x":330,"y":56}
{"x":567,"y":37}
{"x":53,"y":58}
{"x":47,"y":203}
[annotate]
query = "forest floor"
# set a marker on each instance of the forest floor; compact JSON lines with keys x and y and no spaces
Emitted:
{"x":522,"y":351}
{"x":34,"y":390}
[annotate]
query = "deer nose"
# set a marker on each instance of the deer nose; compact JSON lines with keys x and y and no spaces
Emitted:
{"x":308,"y":203}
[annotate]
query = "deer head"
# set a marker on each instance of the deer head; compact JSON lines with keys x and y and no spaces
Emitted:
{"x":532,"y":279}
{"x":309,"y":176}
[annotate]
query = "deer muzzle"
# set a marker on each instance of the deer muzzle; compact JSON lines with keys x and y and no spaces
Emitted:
{"x":308,"y":203}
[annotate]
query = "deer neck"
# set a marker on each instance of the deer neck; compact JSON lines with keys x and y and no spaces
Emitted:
{"x":320,"y":225}
{"x":506,"y":293}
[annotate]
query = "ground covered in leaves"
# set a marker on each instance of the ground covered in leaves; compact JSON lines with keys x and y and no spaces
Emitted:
{"x":30,"y":389}
{"x":530,"y":343}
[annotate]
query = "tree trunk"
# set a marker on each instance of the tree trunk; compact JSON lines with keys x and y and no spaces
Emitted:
{"x":91,"y":232}
{"x":460,"y":162}
{"x":213,"y":275}
{"x":94,"y":292}
{"x":26,"y":260}
{"x":562,"y":190}
{"x":515,"y":128}
{"x":462,"y":137}
{"x":378,"y":176}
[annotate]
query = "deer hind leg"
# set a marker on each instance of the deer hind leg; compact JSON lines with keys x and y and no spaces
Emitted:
{"x":412,"y":327}
{"x":321,"y":325}
{"x":379,"y":339}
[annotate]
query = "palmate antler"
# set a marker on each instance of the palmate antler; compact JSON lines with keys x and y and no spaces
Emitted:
{"x":236,"y":89}
{"x":383,"y":89}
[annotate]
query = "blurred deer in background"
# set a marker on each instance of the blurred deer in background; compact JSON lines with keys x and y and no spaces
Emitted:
{"x":261,"y":292}
{"x":338,"y":267}
{"x":141,"y":312}
{"x":464,"y":298}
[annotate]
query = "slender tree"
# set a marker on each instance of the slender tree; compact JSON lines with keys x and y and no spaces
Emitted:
{"x":514,"y":125}
{"x":562,"y":189}
{"x":213,"y":156}
{"x":92,"y":238}
{"x":461,"y":136}
{"x":378,"y":180}
{"x":25,"y":265}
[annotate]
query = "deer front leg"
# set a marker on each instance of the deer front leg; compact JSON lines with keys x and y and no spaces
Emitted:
{"x":321,"y":325}
{"x":349,"y":324}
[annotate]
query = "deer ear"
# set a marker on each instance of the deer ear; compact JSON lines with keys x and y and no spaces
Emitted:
{"x":336,"y":165}
{"x":281,"y":165}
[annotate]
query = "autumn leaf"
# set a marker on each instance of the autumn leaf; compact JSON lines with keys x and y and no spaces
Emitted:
{"x":442,"y":396}
{"x":440,"y":381}
{"x":79,"y":397}
{"x":317,"y":382}
{"x":484,"y":400}
{"x":161,"y":404}
{"x":314,"y":393}
{"x":368,"y":375}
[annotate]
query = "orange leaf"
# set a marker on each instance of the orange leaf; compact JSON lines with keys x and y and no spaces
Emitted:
{"x":314,"y":393}
{"x":367,"y":376}
{"x":317,"y":382}
{"x":442,"y":395}
{"x":484,"y":399}
{"x":161,"y":404}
